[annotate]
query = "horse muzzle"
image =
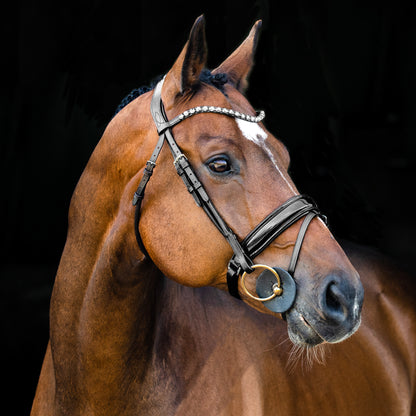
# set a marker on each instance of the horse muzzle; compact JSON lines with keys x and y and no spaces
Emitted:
{"x":332,"y":315}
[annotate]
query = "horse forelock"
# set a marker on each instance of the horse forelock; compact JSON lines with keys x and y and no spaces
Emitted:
{"x":206,"y":76}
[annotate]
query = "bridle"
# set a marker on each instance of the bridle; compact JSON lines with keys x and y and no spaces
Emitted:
{"x":275,"y":285}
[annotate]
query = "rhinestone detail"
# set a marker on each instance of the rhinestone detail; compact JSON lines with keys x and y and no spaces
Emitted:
{"x":218,"y":110}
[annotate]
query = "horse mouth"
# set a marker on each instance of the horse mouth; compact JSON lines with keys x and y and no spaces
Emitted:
{"x":301,"y":331}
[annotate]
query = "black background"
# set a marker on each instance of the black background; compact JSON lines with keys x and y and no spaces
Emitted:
{"x":337,"y":81}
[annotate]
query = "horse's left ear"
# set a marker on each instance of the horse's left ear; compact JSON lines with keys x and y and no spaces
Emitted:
{"x":239,"y":64}
{"x":184,"y":75}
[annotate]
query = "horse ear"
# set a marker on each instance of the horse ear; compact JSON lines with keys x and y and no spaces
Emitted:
{"x":239,"y":64}
{"x":184,"y":74}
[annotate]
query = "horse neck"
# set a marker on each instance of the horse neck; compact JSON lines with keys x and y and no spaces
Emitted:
{"x":103,"y":301}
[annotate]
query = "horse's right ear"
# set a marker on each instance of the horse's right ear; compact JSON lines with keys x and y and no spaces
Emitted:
{"x":184,"y":75}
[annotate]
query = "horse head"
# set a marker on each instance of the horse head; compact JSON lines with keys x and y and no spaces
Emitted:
{"x":243,"y":169}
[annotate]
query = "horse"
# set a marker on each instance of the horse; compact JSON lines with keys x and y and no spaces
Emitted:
{"x":141,"y":317}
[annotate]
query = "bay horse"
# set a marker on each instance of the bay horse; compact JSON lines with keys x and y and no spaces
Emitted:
{"x":141,"y":317}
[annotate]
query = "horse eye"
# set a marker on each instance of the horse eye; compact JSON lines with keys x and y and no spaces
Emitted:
{"x":220,"y":165}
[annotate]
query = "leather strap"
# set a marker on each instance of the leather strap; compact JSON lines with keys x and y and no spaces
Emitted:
{"x":299,"y":241}
{"x":277,"y":222}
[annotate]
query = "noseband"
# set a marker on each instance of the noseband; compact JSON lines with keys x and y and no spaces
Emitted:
{"x":275,"y":285}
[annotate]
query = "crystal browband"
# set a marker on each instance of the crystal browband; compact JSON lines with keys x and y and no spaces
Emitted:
{"x":228,"y":112}
{"x":211,"y":109}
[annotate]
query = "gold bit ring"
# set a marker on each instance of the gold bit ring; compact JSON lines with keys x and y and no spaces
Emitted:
{"x":277,"y":287}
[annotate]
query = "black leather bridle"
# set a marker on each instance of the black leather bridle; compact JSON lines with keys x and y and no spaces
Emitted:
{"x":258,"y":239}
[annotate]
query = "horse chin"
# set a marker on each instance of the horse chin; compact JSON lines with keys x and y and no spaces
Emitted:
{"x":300,"y":331}
{"x":305,"y":333}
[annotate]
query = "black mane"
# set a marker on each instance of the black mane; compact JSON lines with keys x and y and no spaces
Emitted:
{"x":217,"y":80}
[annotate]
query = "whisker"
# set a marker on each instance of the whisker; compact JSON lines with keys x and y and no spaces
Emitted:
{"x":285,"y":340}
{"x":306,"y":357}
{"x":294,"y":357}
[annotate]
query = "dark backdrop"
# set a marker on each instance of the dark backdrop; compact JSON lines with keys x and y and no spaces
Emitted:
{"x":337,"y":81}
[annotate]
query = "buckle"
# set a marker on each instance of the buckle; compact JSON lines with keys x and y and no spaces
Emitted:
{"x":179,"y":157}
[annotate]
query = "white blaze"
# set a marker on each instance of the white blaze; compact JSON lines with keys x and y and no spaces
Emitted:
{"x":254,"y":133}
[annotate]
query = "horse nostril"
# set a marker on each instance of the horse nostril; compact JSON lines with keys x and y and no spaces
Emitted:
{"x":335,"y":304}
{"x":337,"y":301}
{"x":340,"y":298}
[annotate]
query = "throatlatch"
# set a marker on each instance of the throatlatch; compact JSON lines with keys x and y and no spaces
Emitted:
{"x":275,"y":286}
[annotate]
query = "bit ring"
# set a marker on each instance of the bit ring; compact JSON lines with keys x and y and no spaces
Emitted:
{"x":277,"y":287}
